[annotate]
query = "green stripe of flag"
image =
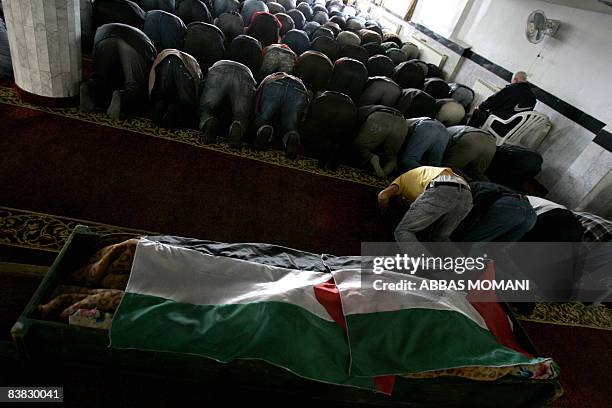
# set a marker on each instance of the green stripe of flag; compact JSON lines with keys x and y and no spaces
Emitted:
{"x":280,"y":333}
{"x":417,"y":340}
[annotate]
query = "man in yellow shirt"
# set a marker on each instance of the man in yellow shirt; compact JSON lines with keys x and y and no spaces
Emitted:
{"x":439,"y":199}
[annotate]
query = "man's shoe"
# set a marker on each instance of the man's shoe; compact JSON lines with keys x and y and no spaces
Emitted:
{"x":375,"y":162}
{"x":114,"y":109}
{"x":263,"y":137}
{"x":86,"y":100}
{"x":292,"y":144}
{"x":235,"y":135}
{"x":209,"y":131}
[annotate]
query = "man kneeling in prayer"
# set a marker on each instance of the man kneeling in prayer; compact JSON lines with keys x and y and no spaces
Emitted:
{"x":122,"y":58}
{"x":439,"y":199}
{"x":174,"y":89}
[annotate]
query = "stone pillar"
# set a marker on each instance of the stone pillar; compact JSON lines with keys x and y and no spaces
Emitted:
{"x":45,"y":41}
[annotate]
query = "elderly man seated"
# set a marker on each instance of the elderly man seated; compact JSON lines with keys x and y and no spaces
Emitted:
{"x":514,"y":98}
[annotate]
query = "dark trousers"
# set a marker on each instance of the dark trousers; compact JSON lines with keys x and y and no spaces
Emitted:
{"x":174,"y":95}
{"x":556,"y":225}
{"x":192,"y":10}
{"x":6,"y":66}
{"x":265,"y":28}
{"x":297,"y":40}
{"x":164,"y":29}
{"x":117,"y":66}
{"x":507,"y":220}
{"x":555,"y":273}
{"x":514,"y":165}
{"x":380,"y":91}
{"x":116,"y":11}
{"x":204,"y":42}
{"x":330,"y":127}
{"x":246,"y":50}
{"x":228,"y":80}
{"x":231,"y":24}
{"x":314,"y":69}
{"x":349,"y":77}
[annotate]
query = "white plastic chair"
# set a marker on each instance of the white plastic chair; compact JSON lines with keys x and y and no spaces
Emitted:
{"x":529,"y":132}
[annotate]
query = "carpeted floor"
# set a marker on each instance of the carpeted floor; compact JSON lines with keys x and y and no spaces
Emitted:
{"x":59,"y":165}
{"x":585,"y":360}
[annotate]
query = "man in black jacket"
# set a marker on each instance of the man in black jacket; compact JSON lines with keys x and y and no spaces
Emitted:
{"x":514,"y":98}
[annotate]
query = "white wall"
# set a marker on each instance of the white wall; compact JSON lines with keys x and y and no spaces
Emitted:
{"x":574,"y":66}
{"x":440,"y":16}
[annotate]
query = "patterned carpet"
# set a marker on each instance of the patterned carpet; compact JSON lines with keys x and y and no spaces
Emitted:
{"x":45,"y":232}
{"x":190,"y":137}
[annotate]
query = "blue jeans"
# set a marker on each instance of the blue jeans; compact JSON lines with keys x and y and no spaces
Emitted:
{"x":425,"y":146}
{"x":164,"y":29}
{"x":507,"y":220}
{"x":285,"y":98}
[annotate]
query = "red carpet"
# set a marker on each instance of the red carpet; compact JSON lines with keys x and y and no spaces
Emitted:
{"x":584,"y":357}
{"x":62,"y":166}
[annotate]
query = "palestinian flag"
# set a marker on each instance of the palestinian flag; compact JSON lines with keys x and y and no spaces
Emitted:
{"x":402,"y":332}
{"x":183,"y":297}
{"x":186,"y":301}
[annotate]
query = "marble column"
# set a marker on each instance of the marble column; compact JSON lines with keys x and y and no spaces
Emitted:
{"x":45,"y":41}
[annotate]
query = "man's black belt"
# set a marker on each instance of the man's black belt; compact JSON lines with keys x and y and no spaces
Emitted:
{"x":448,"y":183}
